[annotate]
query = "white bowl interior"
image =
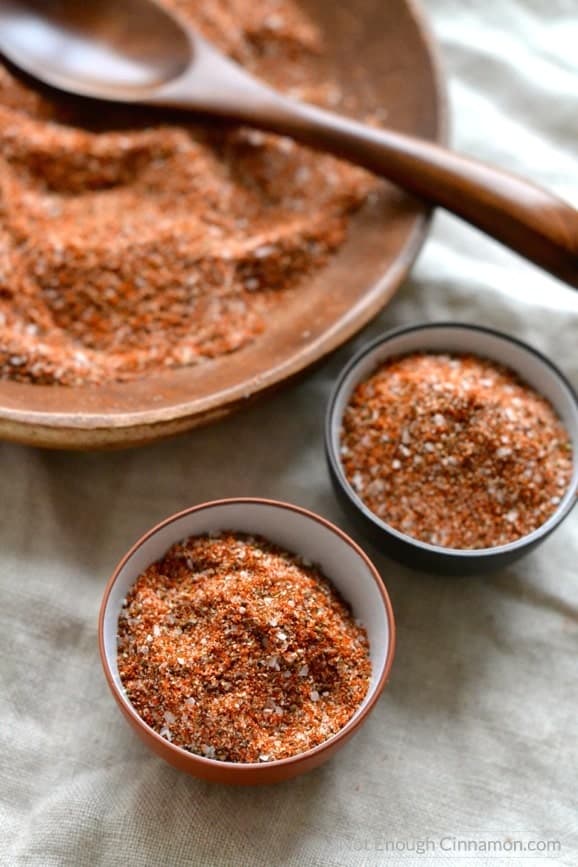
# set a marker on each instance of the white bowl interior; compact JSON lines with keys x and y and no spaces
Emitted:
{"x":463,"y":339}
{"x":290,"y":529}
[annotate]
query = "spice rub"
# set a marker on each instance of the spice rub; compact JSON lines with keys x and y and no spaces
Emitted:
{"x":239,"y":651}
{"x":131,"y":241}
{"x":455,"y":450}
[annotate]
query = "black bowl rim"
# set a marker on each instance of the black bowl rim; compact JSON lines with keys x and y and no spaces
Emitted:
{"x":530,"y":539}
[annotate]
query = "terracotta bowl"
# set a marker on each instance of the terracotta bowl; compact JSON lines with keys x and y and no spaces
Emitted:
{"x":530,"y":365}
{"x":298,"y":531}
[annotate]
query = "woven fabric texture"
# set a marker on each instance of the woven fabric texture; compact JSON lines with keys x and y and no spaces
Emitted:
{"x":475,"y":737}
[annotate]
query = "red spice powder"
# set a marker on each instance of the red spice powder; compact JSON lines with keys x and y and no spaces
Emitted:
{"x":455,"y":450}
{"x":133,"y":241}
{"x":239,"y":651}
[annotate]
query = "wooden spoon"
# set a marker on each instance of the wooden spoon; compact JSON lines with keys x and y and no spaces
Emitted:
{"x":136,"y":51}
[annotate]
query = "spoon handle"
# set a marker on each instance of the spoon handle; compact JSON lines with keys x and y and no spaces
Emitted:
{"x":532,"y":222}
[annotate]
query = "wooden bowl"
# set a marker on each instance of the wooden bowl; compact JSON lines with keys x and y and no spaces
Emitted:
{"x":299,"y":531}
{"x":398,"y":72}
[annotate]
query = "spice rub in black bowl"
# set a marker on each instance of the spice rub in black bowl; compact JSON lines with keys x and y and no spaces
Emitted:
{"x":452,"y":446}
{"x":455,"y":450}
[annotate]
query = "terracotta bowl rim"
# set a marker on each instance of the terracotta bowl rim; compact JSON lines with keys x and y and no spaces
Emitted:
{"x":348,"y":729}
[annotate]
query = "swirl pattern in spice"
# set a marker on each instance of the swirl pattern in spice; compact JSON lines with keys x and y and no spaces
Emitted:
{"x":132,"y":241}
{"x":236,"y":650}
{"x":456,"y":450}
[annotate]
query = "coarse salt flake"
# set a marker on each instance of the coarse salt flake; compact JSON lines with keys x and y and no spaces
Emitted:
{"x":208,"y":751}
{"x":503,"y":452}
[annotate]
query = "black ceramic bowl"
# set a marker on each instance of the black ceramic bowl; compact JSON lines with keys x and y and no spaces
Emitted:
{"x":530,"y":365}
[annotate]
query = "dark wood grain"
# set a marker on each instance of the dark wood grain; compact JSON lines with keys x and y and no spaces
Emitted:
{"x":529,"y":220}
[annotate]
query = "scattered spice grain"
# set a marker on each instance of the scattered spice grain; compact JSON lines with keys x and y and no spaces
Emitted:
{"x":131,"y":241}
{"x":455,"y":450}
{"x":236,"y":650}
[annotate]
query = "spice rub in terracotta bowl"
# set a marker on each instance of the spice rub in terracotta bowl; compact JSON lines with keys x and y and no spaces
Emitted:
{"x":452,"y":446}
{"x":163,"y":268}
{"x":246,"y":655}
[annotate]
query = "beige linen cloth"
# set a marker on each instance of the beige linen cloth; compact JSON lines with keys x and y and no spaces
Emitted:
{"x":475,"y":738}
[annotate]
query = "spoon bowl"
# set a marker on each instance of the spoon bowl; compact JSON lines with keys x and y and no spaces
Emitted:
{"x":122,"y":50}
